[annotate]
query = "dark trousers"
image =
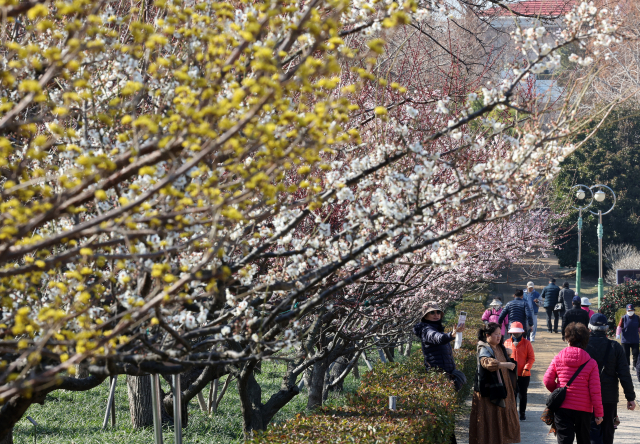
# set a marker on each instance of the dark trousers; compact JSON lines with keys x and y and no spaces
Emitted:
{"x":603,"y":433}
{"x":523,"y":386}
{"x":572,"y":424}
{"x":628,"y":348}
{"x":555,"y":314}
{"x":562,"y":312}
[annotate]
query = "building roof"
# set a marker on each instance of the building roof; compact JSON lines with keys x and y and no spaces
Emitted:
{"x":532,"y":8}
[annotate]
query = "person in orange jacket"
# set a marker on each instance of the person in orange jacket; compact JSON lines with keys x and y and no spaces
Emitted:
{"x":522,"y":353}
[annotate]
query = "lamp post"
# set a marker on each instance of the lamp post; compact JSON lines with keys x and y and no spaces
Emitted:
{"x":600,"y":196}
{"x":580,"y":194}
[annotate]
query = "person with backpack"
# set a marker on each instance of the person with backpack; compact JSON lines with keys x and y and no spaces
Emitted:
{"x":583,"y":398}
{"x":493,"y":314}
{"x":565,"y":299}
{"x":628,"y":329}
{"x":517,"y":310}
{"x":522,"y":353}
{"x":576,"y":314}
{"x":614,"y":371}
{"x":550,"y":295}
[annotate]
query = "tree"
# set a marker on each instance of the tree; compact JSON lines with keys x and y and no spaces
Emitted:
{"x":611,"y":157}
{"x":190,"y":193}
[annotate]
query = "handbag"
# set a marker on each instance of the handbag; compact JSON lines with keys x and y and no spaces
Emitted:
{"x":558,"y":307}
{"x":556,"y":398}
{"x":498,"y":391}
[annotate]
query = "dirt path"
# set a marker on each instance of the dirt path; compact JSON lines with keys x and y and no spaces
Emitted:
{"x":546,"y":346}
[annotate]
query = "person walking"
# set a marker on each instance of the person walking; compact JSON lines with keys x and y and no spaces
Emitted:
{"x":494,"y":416}
{"x":517,"y":310}
{"x":576,"y":314}
{"x":493,"y":314}
{"x":566,"y":300}
{"x":522,"y":353}
{"x":550,"y":295}
{"x":586,"y":306}
{"x":614,"y":371}
{"x":628,"y":329}
{"x":532,"y":297}
{"x":583,"y":397}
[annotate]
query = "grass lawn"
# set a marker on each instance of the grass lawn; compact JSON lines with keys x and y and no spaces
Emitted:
{"x":76,"y":417}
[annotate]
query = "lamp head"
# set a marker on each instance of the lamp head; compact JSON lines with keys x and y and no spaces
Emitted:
{"x":599,"y":195}
{"x":580,"y":194}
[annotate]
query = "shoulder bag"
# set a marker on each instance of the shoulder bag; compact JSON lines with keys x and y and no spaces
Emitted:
{"x":556,"y":398}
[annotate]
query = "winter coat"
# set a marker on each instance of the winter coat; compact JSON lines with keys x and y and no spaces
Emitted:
{"x":518,"y":311}
{"x":435,"y":345}
{"x":584,"y":392}
{"x":529,"y":297}
{"x":492,"y":315}
{"x":628,"y":328}
{"x":522,"y":354}
{"x":550,"y":295}
{"x":575,"y":315}
{"x":616,"y":367}
{"x":566,"y":298}
{"x":486,"y":380}
{"x":589,"y":311}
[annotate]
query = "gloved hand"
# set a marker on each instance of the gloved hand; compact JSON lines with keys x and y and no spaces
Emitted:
{"x":617,"y":336}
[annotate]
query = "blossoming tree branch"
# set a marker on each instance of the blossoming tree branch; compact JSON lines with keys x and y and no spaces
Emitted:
{"x":206,"y":185}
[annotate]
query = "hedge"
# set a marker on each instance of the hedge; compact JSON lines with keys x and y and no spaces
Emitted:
{"x":616,"y":299}
{"x":425,"y":409}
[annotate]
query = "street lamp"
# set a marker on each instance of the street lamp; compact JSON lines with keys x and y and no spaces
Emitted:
{"x":600,"y":195}
{"x":581,"y":194}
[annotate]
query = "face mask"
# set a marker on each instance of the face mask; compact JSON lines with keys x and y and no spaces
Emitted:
{"x":631,"y":313}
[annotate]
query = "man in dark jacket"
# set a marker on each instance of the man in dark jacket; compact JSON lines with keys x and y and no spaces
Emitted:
{"x":550,"y":295}
{"x":612,"y":370}
{"x":565,"y":298}
{"x":576,"y":314}
{"x":518,"y":311}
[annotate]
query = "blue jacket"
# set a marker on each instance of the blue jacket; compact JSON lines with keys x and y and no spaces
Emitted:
{"x":550,"y":295}
{"x":435,"y":345}
{"x":529,"y":297}
{"x":518,"y":311}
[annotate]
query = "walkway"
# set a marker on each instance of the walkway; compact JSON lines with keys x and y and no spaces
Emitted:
{"x":546,"y":346}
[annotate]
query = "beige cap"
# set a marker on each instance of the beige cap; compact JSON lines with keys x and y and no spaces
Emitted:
{"x":429,"y":307}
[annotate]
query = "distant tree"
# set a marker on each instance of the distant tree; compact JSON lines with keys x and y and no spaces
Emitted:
{"x":611,"y":157}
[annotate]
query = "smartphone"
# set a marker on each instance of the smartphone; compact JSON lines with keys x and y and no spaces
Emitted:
{"x":462,"y":319}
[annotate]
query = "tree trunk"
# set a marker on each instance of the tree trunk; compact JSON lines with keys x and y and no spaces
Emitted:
{"x":316,"y":384}
{"x":8,"y":439}
{"x":255,"y":414}
{"x":82,"y":370}
{"x":407,"y":350}
{"x":356,"y":370}
{"x":389,"y":352}
{"x":339,"y":366}
{"x":250,"y":401}
{"x":139,"y":390}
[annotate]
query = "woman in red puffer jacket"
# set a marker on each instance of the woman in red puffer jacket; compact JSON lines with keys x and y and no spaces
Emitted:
{"x":573,"y":418}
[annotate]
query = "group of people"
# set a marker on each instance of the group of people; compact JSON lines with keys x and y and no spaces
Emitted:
{"x":590,"y":367}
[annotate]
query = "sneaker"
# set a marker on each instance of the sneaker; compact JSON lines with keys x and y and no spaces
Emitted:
{"x":523,"y":417}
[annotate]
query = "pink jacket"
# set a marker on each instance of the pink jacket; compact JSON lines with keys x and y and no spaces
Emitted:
{"x":493,"y":315}
{"x":584,"y":393}
{"x":588,"y":310}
